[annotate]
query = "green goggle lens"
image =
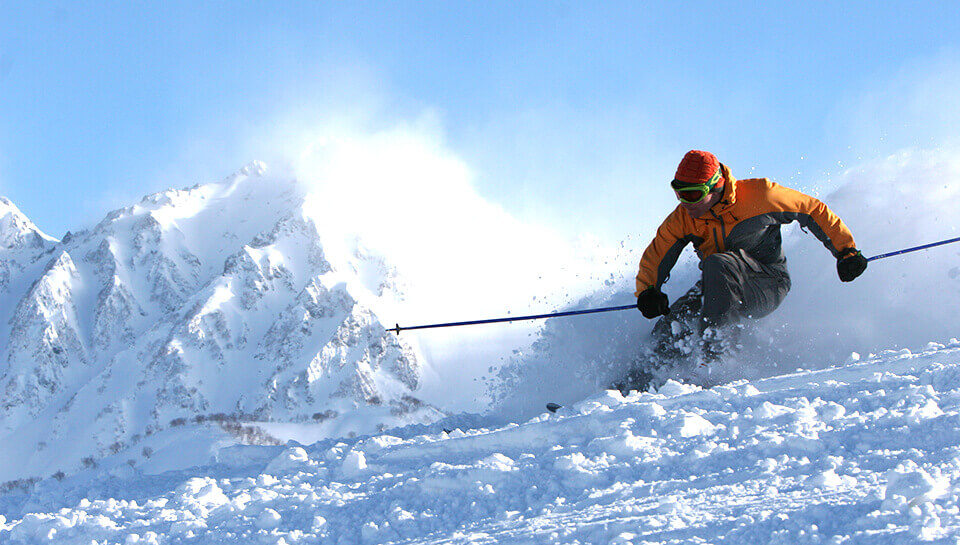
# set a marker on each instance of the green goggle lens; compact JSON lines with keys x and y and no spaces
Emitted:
{"x":694,"y":193}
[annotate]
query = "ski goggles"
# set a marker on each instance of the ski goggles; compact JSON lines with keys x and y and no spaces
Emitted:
{"x":694,"y":193}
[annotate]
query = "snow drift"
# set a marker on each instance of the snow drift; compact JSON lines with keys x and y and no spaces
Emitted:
{"x":862,"y":453}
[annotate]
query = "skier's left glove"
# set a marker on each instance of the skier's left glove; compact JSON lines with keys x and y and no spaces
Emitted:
{"x":850,"y":265}
{"x":652,"y":303}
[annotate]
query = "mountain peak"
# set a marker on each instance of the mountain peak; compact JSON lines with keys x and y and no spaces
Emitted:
{"x":16,"y":229}
{"x":213,"y":302}
{"x":254,"y":168}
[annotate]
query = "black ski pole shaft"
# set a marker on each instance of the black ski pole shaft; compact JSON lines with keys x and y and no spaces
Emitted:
{"x":914,"y":249}
{"x":398,"y":329}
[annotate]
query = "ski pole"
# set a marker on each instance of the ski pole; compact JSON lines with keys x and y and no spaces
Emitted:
{"x":914,"y":249}
{"x":398,"y":329}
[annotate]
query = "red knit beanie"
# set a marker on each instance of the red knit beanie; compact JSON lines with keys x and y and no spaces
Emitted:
{"x":697,"y":167}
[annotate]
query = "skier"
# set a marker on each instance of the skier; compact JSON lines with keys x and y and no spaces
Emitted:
{"x":735,"y":227}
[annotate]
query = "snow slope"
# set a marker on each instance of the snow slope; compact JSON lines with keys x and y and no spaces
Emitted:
{"x":865,"y":452}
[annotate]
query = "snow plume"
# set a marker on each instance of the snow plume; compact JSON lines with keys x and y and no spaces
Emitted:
{"x":573,"y":358}
{"x":904,"y":200}
{"x":403,"y":194}
{"x":900,"y":201}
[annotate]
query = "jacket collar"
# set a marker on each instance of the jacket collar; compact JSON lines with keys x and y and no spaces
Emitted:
{"x":729,"y":191}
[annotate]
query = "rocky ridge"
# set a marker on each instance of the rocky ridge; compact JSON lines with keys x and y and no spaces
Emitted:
{"x":214,"y":303}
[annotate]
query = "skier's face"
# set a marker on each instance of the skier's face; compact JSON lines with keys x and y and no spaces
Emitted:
{"x":698,"y":209}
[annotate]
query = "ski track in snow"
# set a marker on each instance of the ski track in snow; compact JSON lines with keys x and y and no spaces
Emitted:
{"x":862,"y":453}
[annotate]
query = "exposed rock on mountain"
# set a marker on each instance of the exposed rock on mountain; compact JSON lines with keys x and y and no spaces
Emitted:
{"x":214,"y":300}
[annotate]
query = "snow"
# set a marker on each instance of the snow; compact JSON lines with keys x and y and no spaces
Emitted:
{"x":848,"y":454}
{"x":836,"y":430}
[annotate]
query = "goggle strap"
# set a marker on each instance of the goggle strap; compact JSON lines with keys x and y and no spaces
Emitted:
{"x":709,"y":185}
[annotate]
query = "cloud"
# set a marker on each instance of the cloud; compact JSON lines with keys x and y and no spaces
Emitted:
{"x":403,"y":193}
{"x":597,"y":168}
{"x":915,"y":107}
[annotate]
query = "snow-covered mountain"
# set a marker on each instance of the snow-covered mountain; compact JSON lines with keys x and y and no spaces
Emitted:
{"x":21,"y":243}
{"x":216,"y":303}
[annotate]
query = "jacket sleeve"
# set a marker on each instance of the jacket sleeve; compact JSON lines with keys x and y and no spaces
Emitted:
{"x":812,"y":214}
{"x":662,"y":253}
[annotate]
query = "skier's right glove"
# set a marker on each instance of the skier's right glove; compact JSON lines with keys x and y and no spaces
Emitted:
{"x":652,"y":303}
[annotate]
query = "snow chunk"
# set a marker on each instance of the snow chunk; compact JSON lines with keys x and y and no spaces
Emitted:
{"x":831,"y":411}
{"x":914,"y":485}
{"x":769,"y":411}
{"x":670,"y":506}
{"x":498,"y":462}
{"x":749,"y":390}
{"x":929,"y":410}
{"x":609,"y":399}
{"x":354,"y":463}
{"x":292,"y":459}
{"x":578,"y":463}
{"x":692,"y":425}
{"x":268,"y":519}
{"x":651,"y":410}
{"x":201,"y":495}
{"x":632,"y":444}
{"x":624,"y":538}
{"x":673,"y":388}
{"x":829,"y":479}
{"x":380,"y":442}
{"x":369,"y":532}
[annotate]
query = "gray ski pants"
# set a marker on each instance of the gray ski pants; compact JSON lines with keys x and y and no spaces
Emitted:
{"x":733,"y":286}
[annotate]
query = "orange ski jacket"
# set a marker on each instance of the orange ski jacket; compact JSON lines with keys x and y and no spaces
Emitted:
{"x":748,"y":217}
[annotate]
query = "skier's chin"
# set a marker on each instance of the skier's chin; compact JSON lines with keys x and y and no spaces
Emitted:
{"x":695,"y":210}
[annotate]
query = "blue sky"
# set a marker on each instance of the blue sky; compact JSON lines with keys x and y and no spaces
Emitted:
{"x":572,"y":114}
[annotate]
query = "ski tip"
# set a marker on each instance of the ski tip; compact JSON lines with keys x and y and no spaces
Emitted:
{"x":553,"y":407}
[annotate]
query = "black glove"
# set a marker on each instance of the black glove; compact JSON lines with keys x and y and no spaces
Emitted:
{"x":652,"y":303}
{"x":851,"y":266}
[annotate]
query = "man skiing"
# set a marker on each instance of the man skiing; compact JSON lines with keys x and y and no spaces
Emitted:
{"x":735,"y":227}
